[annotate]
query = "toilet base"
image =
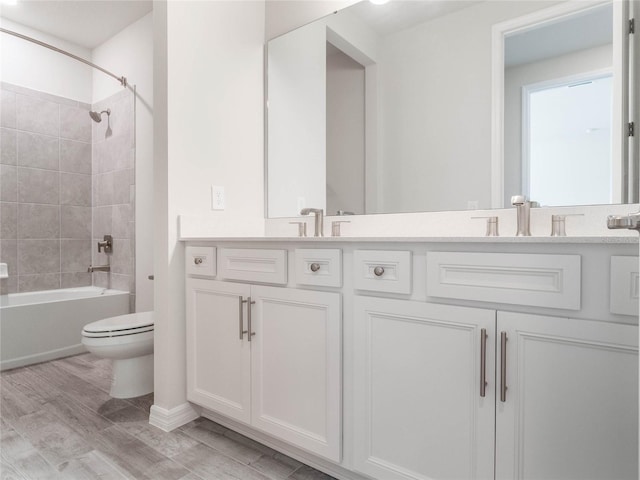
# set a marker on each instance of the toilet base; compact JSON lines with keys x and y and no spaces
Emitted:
{"x":132,"y":377}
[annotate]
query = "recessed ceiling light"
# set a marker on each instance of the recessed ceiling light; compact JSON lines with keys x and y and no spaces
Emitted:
{"x":378,"y":2}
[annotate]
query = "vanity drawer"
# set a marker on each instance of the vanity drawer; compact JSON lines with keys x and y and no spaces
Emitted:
{"x":382,"y":271}
{"x":551,"y":281}
{"x":200,"y":261}
{"x":319,"y":267}
{"x":253,"y":265}
{"x":625,"y":282}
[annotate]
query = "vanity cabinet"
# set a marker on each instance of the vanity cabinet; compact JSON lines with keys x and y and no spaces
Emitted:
{"x":269,"y":357}
{"x":419,"y":411}
{"x":218,"y":357}
{"x":569,"y":409}
{"x":407,"y":382}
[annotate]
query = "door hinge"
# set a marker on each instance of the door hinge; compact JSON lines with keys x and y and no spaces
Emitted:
{"x":632,"y":26}
{"x":631,"y":129}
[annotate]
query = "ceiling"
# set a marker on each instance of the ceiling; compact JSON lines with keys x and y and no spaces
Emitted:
{"x":402,"y":14}
{"x":588,"y":29}
{"x":87,"y":23}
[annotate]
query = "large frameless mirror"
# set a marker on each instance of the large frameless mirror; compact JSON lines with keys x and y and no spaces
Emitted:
{"x":397,"y":108}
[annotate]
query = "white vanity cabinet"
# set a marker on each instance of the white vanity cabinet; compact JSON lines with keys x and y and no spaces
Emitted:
{"x":399,"y":374}
{"x":269,"y":357}
{"x":218,"y":354}
{"x":570,"y":410}
{"x":419,"y":411}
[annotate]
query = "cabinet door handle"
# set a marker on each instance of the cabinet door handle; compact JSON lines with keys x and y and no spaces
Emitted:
{"x":314,"y":267}
{"x":503,"y":366}
{"x":378,"y":271}
{"x":240,"y":316}
{"x":483,"y":361}
{"x":249,"y":303}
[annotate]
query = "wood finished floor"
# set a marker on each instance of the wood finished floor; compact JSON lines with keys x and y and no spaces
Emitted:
{"x":57,"y":421}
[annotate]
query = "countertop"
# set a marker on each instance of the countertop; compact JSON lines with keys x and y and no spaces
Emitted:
{"x":514,"y":240}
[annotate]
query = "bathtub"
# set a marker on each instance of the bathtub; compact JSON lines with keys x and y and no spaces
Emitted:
{"x":40,"y":326}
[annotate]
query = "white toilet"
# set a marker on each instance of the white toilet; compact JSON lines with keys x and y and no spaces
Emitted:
{"x":128,"y":341}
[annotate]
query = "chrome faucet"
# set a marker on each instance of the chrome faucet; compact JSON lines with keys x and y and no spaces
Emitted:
{"x":99,"y":268}
{"x":319,"y":226}
{"x":523,"y":209}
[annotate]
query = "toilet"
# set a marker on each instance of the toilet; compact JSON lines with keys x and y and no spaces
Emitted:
{"x":128,"y":341}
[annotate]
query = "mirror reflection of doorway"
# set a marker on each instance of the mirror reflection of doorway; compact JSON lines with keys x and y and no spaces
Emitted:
{"x":345,"y":90}
{"x":566,"y":148}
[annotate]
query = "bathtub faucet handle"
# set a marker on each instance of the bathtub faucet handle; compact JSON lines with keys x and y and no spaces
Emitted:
{"x":107,"y":244}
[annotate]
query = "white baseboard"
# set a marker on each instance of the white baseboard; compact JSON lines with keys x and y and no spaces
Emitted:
{"x":173,"y":418}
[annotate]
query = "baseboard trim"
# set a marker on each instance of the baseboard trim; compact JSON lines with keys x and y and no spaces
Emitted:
{"x":170,"y":419}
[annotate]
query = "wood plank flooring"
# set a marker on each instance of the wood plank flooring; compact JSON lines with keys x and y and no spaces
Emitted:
{"x":57,"y":421}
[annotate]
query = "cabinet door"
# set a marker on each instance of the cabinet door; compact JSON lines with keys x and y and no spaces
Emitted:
{"x":218,"y":360}
{"x":418,"y":409}
{"x":571,"y":404}
{"x":297,"y":367}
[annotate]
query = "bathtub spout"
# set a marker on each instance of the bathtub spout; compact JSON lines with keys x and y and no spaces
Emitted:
{"x":99,"y":268}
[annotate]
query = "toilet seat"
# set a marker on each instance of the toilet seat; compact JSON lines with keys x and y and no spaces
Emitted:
{"x":123,"y":325}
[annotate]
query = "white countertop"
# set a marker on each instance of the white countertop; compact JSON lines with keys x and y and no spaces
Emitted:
{"x":590,"y":227}
{"x":513,"y":240}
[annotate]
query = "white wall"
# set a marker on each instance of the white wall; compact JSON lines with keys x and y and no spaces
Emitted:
{"x":130,"y":53}
{"x":436,"y":109}
{"x":433,"y":109}
{"x":297,"y":121}
{"x":208,"y":102}
{"x":30,"y":65}
{"x":297,"y":114}
{"x":515,"y":78}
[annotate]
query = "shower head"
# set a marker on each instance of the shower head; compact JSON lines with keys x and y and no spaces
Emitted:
{"x":97,"y":117}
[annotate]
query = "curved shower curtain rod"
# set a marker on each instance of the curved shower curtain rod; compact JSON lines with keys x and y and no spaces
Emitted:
{"x":122,"y":80}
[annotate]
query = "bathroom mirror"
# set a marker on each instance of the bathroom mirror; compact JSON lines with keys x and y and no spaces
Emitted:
{"x":397,"y":107}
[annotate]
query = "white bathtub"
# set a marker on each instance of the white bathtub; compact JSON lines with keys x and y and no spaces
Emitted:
{"x":40,"y":326}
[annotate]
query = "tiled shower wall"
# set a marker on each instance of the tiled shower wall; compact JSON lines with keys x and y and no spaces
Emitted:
{"x":45,"y":191}
{"x":63,"y":185}
{"x":114,"y":191}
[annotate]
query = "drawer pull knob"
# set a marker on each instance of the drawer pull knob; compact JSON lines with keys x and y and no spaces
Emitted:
{"x":378,"y":271}
{"x":314,"y":267}
{"x":197,"y":260}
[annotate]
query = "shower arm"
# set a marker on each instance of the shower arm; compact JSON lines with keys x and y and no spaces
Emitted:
{"x":122,"y":80}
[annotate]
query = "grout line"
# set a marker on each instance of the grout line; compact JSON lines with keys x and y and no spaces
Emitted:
{"x":29,"y":132}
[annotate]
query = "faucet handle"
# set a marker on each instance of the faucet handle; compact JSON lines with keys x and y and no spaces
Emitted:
{"x":107,"y":244}
{"x":335,"y":227}
{"x":302,"y":228}
{"x":558,"y":224}
{"x":492,"y":226}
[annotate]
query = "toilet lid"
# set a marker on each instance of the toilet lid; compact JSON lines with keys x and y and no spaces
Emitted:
{"x":120,"y":325}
